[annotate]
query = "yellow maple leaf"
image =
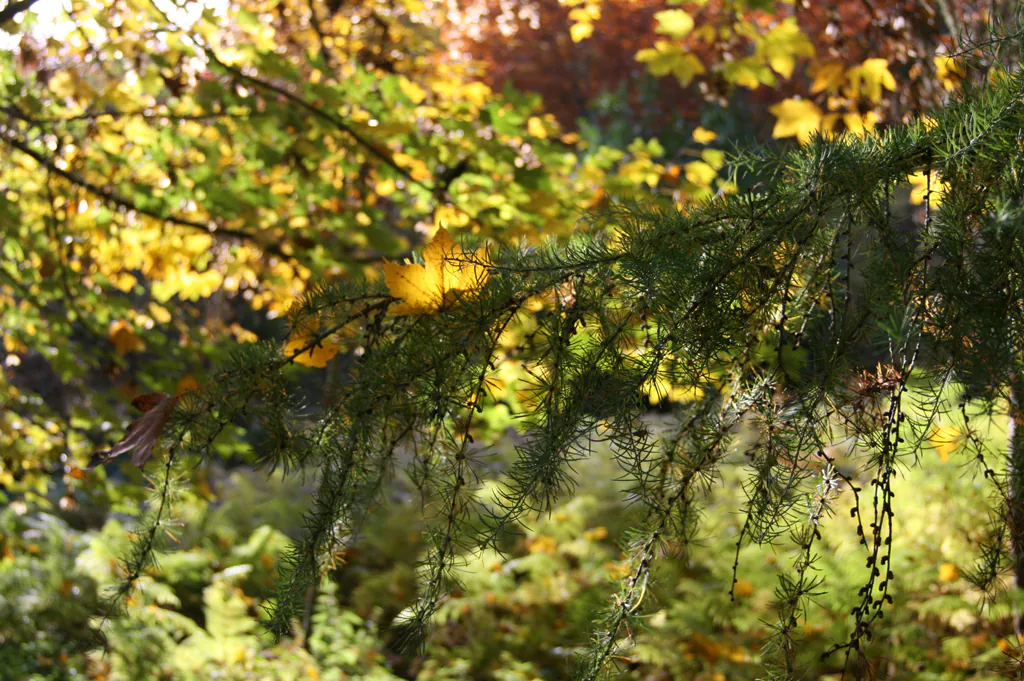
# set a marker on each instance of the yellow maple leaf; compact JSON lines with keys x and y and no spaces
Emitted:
{"x":798,"y":118}
{"x":665,"y":58}
{"x":449,"y":216}
{"x":299,"y":350}
{"x":316,"y":356}
{"x":828,"y":76}
{"x":782,"y":45}
{"x":859,"y":124}
{"x":447,"y":271}
{"x":870,"y":78}
{"x":945,"y":440}
{"x":949,"y":70}
{"x":748,"y":73}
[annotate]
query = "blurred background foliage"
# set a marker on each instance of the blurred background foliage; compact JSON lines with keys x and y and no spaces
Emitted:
{"x":521,"y":615}
{"x":175,"y":174}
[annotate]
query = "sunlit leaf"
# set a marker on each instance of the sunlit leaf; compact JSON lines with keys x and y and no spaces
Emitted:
{"x":828,"y":76}
{"x":447,"y":271}
{"x":703,"y":136}
{"x":945,"y":440}
{"x":674,"y":22}
{"x":667,"y":58}
{"x":783,"y":44}
{"x":870,"y":78}
{"x":798,"y":118}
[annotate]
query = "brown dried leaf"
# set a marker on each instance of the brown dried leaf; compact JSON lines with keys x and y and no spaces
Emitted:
{"x":143,"y":433}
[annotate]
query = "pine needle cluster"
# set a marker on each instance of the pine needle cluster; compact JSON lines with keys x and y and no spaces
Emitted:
{"x":816,"y":310}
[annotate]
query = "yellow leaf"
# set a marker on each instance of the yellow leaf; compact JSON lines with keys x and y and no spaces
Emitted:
{"x":665,"y":58}
{"x":315,"y":356}
{"x":542,"y":543}
{"x":706,"y":33}
{"x":476,"y":93}
{"x":703,"y":136}
{"x":62,"y":83}
{"x":945,"y":440}
{"x":386,"y":187}
{"x":700,"y":173}
{"x":949,"y":71}
{"x":782,"y":45}
{"x":713,"y":157}
{"x":581,"y":31}
{"x":871,"y":77}
{"x":828,"y":124}
{"x":417,"y":168}
{"x":411,"y":90}
{"x":111,"y":141}
{"x":660,"y":390}
{"x":159,"y":313}
{"x":446,"y":272}
{"x":674,"y":22}
{"x":140,"y":133}
{"x":948,"y":572}
{"x":860,"y":124}
{"x":586,"y":14}
{"x":748,"y":73}
{"x":449,"y":216}
{"x":919,"y":181}
{"x":535,"y":126}
{"x":798,"y":118}
{"x":828,"y":76}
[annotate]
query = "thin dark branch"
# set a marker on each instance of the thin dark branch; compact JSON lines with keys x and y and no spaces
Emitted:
{"x":8,"y":12}
{"x":116,"y":199}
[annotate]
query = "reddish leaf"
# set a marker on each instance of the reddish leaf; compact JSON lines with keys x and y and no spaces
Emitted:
{"x":143,"y":433}
{"x":146,"y":402}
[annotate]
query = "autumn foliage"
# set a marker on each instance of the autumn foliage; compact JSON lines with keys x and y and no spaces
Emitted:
{"x":297,"y":234}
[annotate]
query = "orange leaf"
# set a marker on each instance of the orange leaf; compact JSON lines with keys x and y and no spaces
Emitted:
{"x":743,"y":588}
{"x":186,"y":384}
{"x":124,"y":338}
